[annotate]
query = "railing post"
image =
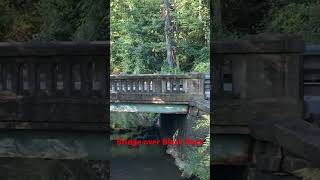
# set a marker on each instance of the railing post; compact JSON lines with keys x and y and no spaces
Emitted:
{"x":157,"y":83}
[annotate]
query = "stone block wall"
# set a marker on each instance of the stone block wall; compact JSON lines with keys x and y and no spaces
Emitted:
{"x":289,"y":147}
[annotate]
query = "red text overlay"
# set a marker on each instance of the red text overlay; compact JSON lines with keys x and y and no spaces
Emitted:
{"x":163,"y":141}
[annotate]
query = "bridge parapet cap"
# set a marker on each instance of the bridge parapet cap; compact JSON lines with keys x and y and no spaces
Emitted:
{"x":134,"y":76}
{"x":261,"y":44}
{"x":54,"y":48}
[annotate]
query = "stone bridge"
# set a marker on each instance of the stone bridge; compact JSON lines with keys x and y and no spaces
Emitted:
{"x":158,"y":93}
{"x":53,"y":100}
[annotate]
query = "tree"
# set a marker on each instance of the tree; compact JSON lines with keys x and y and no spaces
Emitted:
{"x":138,"y":36}
{"x":51,"y":20}
{"x":168,"y":32}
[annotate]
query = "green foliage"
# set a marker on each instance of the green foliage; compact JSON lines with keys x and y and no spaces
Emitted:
{"x":131,"y":120}
{"x":198,"y":158}
{"x":300,"y":17}
{"x":290,"y":18}
{"x":51,"y":20}
{"x":18,"y":20}
{"x":72,"y":20}
{"x":202,"y":67}
{"x":138,"y":37}
{"x":240,"y":18}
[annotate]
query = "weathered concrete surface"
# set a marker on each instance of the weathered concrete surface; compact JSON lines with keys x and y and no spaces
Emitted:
{"x":296,"y":136}
{"x":230,"y":150}
{"x":54,"y":113}
{"x":45,"y":169}
{"x":156,"y":88}
{"x":258,"y":175}
{"x":291,"y":163}
{"x":267,"y":96}
{"x":267,"y":157}
{"x":53,"y":86}
{"x":231,"y":116}
{"x":203,"y":105}
{"x":54,"y":145}
{"x":301,"y":139}
{"x":262,"y":43}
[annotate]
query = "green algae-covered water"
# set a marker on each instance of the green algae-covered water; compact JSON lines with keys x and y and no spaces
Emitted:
{"x":142,"y":163}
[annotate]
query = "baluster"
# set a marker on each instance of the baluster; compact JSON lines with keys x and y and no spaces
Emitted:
{"x":150,"y":86}
{"x":124,"y":85}
{"x":15,"y":78}
{"x":145,"y":86}
{"x":140,"y":86}
{"x":9,"y":81}
{"x":134,"y":86}
{"x":163,"y":86}
{"x":32,"y":78}
{"x":15,"y":74}
{"x":111,"y":85}
{"x":24,"y":78}
{"x":181,"y":85}
{"x":118,"y":85}
{"x":168,"y":85}
{"x":174,"y":85}
{"x":114,"y":85}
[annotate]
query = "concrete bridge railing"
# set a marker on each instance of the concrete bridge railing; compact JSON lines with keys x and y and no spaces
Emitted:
{"x":49,"y":85}
{"x":157,"y":89}
{"x":60,"y":69}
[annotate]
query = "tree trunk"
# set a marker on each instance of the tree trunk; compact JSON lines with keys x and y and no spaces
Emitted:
{"x":168,"y":32}
{"x":175,"y":6}
{"x":177,"y":20}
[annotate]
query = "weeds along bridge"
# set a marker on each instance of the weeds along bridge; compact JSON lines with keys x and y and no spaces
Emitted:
{"x":158,"y":93}
{"x":53,"y":100}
